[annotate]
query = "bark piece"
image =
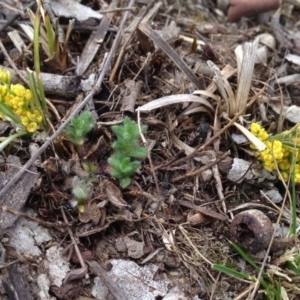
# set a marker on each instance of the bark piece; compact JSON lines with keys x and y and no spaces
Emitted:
{"x":15,"y":283}
{"x":16,"y":197}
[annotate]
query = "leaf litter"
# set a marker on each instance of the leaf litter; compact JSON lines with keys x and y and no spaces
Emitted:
{"x":188,"y":67}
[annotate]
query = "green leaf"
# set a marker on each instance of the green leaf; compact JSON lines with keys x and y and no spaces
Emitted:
{"x":9,"y":139}
{"x":124,"y":182}
{"x":126,"y":147}
{"x":80,"y":194}
{"x":115,"y":163}
{"x":270,"y":290}
{"x":248,"y":259}
{"x":79,"y":127}
{"x":134,"y":166}
{"x":139,"y":152}
{"x":293,"y":267}
{"x":50,"y":35}
{"x":231,"y":272}
{"x":244,"y":255}
{"x":6,"y":111}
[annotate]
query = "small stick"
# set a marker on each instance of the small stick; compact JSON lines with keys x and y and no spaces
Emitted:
{"x":26,"y":216}
{"x":202,"y":169}
{"x":83,"y":266}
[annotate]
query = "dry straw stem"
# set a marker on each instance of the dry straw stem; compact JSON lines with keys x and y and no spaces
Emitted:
{"x":224,"y":88}
{"x":251,"y":137}
{"x":245,"y":56}
{"x":7,"y":209}
{"x":173,"y":99}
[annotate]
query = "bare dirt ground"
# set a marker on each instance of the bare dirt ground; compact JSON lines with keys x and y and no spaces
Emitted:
{"x":160,"y":237}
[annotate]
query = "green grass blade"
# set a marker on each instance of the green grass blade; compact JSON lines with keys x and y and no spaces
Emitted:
{"x":35,"y":95}
{"x":231,"y":272}
{"x":248,"y":259}
{"x":50,"y":35}
{"x":293,"y":226}
{"x":6,"y":111}
{"x":11,"y":138}
{"x":36,"y":45}
{"x":293,"y":267}
{"x":245,"y":256}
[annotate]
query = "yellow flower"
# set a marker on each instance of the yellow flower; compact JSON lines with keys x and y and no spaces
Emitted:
{"x":32,"y":127}
{"x":8,"y":100}
{"x":25,"y":121}
{"x":255,"y":128}
{"x":18,"y":99}
{"x":3,"y":91}
{"x":4,"y":76}
{"x":28,"y":96}
{"x":276,"y":149}
{"x":18,"y":89}
{"x":297,"y":177}
{"x":284,"y":165}
{"x":284,"y":176}
{"x":19,"y":111}
{"x":30,"y":116}
{"x":259,"y":131}
{"x":38,"y":116}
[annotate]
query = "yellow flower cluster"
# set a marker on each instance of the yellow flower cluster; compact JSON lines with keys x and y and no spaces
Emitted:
{"x":19,"y":100}
{"x":278,"y":153}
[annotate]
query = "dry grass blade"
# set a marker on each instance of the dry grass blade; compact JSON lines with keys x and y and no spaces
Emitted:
{"x":216,"y":136}
{"x":251,"y":137}
{"x":17,"y":40}
{"x":173,"y":99}
{"x":146,"y":29}
{"x":245,"y":64}
{"x":224,"y":89}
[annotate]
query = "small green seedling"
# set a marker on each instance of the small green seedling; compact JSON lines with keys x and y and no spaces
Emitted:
{"x":81,"y":192}
{"x":79,"y":127}
{"x":126,"y":147}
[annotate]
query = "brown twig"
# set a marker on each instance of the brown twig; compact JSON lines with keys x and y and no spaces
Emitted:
{"x":202,"y":169}
{"x":81,"y":261}
{"x":28,"y":217}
